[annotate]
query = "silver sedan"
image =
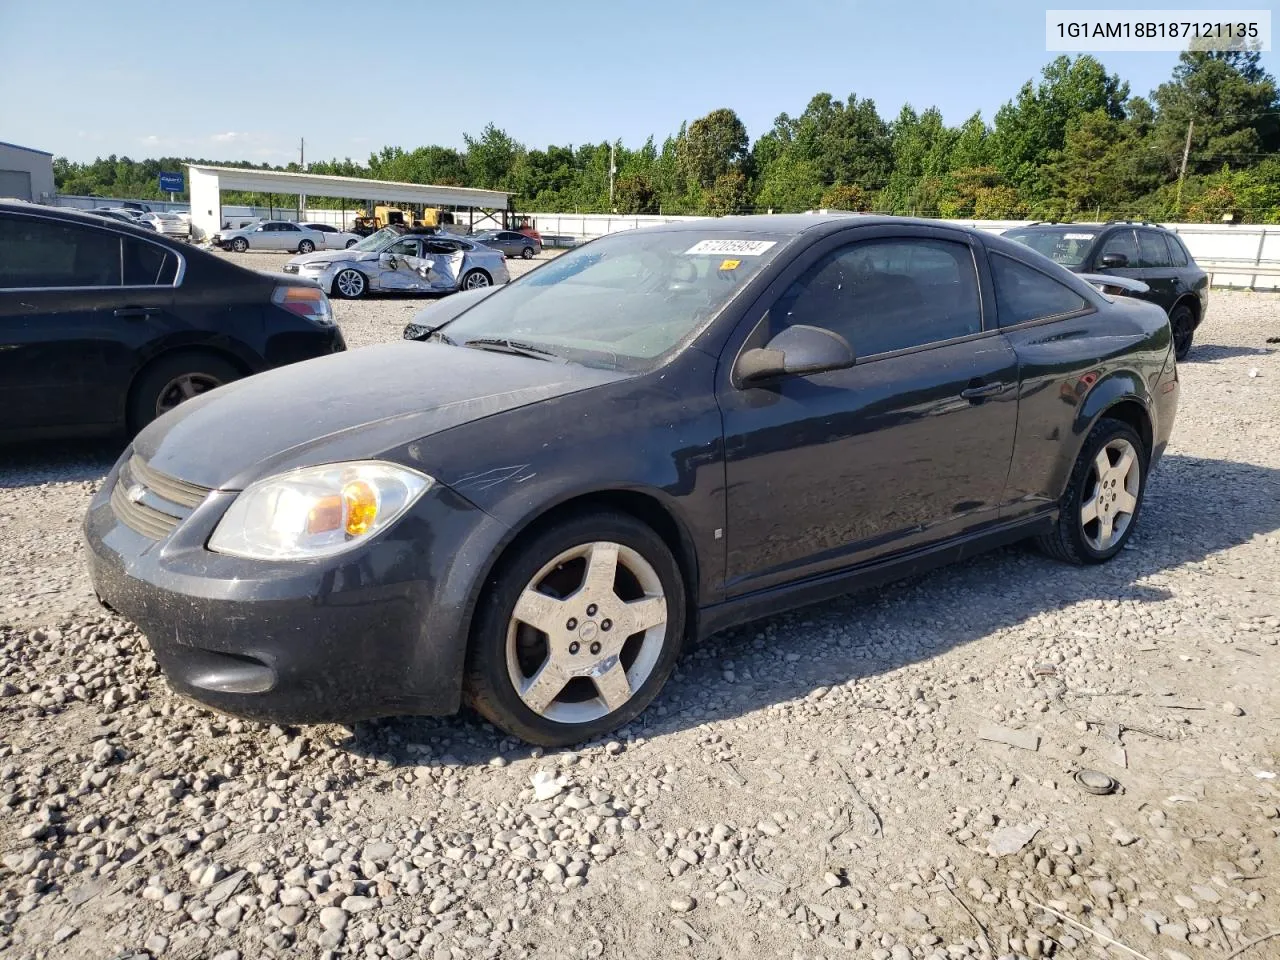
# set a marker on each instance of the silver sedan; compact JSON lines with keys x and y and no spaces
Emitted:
{"x":398,"y":261}
{"x":270,"y":235}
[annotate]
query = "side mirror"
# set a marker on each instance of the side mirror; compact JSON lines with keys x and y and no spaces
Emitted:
{"x":388,"y":258}
{"x":1113,"y":260}
{"x":796,"y":351}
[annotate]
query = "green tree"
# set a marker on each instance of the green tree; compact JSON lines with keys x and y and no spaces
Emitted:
{"x":712,"y":146}
{"x":490,"y":158}
{"x":1233,"y":104}
{"x":1031,"y":129}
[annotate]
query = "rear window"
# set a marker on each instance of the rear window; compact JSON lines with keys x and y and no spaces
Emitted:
{"x":1024,"y":294}
{"x":1067,"y":247}
{"x":148,"y":265}
{"x":49,"y":253}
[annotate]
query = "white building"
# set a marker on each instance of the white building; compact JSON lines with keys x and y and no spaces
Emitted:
{"x":25,"y":174}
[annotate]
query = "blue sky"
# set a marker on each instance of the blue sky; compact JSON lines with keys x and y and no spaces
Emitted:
{"x":240,"y":80}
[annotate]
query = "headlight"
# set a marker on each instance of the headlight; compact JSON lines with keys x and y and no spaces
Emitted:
{"x":317,"y":511}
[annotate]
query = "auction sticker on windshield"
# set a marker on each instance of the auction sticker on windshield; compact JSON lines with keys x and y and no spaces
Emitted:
{"x":1078,"y":236}
{"x":738,"y":248}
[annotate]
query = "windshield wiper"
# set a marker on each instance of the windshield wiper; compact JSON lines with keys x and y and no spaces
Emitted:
{"x":516,"y":347}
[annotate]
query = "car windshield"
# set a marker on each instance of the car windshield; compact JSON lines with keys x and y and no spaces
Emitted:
{"x":376,"y":241}
{"x":623,"y":301}
{"x":1067,"y":246}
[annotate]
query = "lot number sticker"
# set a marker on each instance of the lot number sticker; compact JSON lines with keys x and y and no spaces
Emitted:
{"x":736,"y":248}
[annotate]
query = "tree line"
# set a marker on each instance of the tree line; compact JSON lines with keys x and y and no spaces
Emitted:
{"x":1074,"y":144}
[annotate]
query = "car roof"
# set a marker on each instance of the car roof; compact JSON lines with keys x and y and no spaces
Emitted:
{"x":794,"y":224}
{"x":68,"y":214}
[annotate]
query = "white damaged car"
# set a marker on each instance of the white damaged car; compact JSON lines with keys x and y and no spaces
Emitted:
{"x":396,"y":260}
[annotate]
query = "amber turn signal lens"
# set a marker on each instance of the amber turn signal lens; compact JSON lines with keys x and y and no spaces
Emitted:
{"x":326,"y":515}
{"x":362,"y":507}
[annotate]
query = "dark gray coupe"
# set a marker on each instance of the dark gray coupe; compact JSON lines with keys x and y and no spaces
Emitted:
{"x":535,"y":501}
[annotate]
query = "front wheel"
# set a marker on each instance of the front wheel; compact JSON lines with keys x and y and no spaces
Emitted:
{"x":1182,"y":320}
{"x":239,"y":244}
{"x":475,"y":279}
{"x":350,"y":284}
{"x":306,"y":246}
{"x":578,"y":630}
{"x":1104,"y":496}
{"x":174,"y":379}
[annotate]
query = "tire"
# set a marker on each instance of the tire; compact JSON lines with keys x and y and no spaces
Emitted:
{"x":239,"y":244}
{"x":172,"y":378}
{"x":1183,"y":322}
{"x":527,"y":253}
{"x":1118,"y":499}
{"x":505,"y":650}
{"x":306,"y":246}
{"x":349,"y":284}
{"x":475,"y":280}
{"x":350,"y":244}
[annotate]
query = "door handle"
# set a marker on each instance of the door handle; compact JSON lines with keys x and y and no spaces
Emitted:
{"x":136,"y":313}
{"x":984,"y":391}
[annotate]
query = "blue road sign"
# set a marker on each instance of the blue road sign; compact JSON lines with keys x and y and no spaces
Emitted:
{"x":171,"y":182}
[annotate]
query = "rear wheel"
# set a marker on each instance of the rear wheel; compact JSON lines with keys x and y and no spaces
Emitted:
{"x":351,"y":243}
{"x":1183,"y":322}
{"x":475,"y":279}
{"x":306,"y":246}
{"x":174,"y":379}
{"x":1104,"y":496}
{"x":578,"y":630}
{"x":527,"y":253}
{"x":239,"y":244}
{"x":350,"y":284}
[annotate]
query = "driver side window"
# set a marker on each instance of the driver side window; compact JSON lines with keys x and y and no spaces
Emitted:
{"x":886,"y":295}
{"x":1122,"y":242}
{"x":404,"y":248}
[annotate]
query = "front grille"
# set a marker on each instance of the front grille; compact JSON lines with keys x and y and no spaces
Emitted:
{"x":153,"y":503}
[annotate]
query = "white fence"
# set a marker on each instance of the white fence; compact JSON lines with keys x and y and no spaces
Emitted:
{"x":1235,"y":255}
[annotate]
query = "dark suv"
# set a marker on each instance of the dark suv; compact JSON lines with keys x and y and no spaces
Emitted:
{"x":103,"y":326}
{"x":1141,"y":251}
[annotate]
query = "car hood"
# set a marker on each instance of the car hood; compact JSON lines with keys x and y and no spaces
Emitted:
{"x":347,"y":406}
{"x":333,"y":256}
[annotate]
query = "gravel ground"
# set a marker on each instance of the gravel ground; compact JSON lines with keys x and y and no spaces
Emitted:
{"x":886,"y":776}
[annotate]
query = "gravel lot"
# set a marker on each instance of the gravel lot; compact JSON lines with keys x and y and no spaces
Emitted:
{"x":829,"y":783}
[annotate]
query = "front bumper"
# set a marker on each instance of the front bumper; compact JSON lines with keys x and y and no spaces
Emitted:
{"x":379,"y":631}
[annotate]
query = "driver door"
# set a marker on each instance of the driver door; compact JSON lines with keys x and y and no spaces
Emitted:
{"x":402,"y":266}
{"x":908,"y":447}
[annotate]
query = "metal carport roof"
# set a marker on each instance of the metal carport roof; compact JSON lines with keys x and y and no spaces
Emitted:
{"x":355,"y":188}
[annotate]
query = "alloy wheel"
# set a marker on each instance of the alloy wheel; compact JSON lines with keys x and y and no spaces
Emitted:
{"x":1111,"y":498}
{"x":586,"y":632}
{"x":350,"y":283}
{"x":182,"y":388}
{"x":475,"y":280}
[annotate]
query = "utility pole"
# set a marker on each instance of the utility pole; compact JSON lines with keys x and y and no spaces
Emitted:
{"x":302,"y":162}
{"x":613,"y":168}
{"x":1182,"y":173}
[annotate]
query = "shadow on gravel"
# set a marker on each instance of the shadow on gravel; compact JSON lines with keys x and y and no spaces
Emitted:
{"x":56,"y":461}
{"x":1194,"y":508}
{"x":1209,"y":352}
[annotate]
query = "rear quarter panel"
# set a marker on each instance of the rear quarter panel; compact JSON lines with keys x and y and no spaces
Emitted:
{"x":1071,"y":371}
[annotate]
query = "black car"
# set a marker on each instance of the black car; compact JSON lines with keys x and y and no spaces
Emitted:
{"x":104,"y":326}
{"x":658,"y":434}
{"x":1140,"y":251}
